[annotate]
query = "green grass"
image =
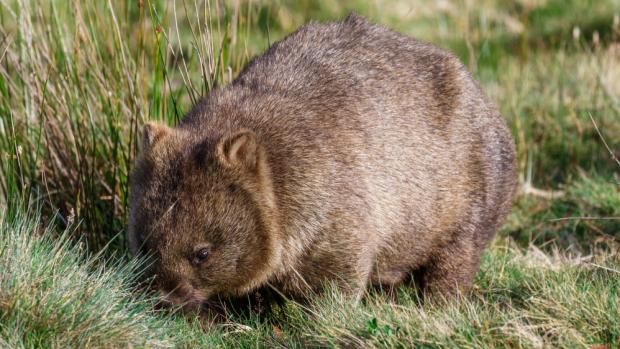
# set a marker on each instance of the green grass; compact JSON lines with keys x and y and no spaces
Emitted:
{"x":52,"y":296}
{"x":78,"y":79}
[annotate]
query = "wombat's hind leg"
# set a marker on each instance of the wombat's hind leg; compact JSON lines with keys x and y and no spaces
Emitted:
{"x":450,"y":271}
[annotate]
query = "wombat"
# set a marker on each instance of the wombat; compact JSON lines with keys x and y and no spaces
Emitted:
{"x":346,"y":154}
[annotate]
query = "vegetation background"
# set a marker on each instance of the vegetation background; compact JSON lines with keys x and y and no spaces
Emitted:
{"x":79,"y":78}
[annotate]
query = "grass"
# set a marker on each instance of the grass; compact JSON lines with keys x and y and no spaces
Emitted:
{"x":54,"y":296}
{"x":78,"y":79}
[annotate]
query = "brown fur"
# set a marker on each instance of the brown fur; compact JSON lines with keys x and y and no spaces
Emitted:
{"x":347,"y":153}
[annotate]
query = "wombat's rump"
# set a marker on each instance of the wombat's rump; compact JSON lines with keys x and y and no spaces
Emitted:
{"x":347,"y":153}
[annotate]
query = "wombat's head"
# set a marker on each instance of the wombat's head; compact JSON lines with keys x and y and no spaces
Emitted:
{"x":203,"y":209}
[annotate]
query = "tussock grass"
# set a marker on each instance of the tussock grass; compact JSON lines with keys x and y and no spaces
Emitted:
{"x":71,"y":103}
{"x":78,"y":79}
{"x":53,"y":296}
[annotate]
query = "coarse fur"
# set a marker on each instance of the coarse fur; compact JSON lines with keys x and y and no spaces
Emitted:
{"x":346,"y":153}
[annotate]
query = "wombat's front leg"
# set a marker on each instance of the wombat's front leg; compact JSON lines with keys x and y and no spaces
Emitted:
{"x":352,"y":274}
{"x":347,"y":272}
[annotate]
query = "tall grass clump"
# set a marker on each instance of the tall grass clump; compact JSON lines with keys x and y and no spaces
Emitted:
{"x":71,"y":104}
{"x":77,"y":81}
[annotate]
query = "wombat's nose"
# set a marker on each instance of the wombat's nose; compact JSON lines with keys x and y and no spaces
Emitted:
{"x":184,"y":290}
{"x":181,"y":293}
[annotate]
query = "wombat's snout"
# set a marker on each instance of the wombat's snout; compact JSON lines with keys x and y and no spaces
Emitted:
{"x":183,"y":294}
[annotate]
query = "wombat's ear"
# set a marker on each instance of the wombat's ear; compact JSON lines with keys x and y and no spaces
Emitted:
{"x":151,"y":133}
{"x":239,"y":150}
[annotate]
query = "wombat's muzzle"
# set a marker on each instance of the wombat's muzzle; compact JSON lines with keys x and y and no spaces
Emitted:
{"x":183,"y":295}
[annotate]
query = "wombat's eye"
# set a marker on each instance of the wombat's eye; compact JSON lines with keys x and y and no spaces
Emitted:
{"x":201,"y":255}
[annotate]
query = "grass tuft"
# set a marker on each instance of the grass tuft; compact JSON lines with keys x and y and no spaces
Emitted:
{"x":52,"y":295}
